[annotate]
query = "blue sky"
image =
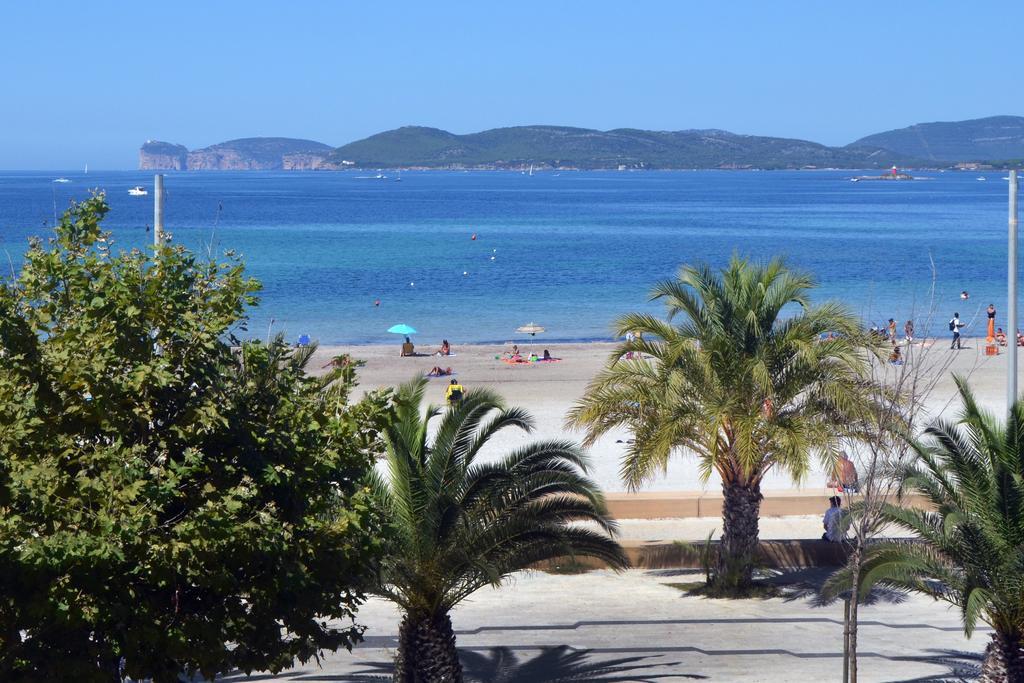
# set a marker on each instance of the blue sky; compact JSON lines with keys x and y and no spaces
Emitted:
{"x":88,"y":82}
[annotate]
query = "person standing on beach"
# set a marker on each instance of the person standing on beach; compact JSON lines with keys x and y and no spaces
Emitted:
{"x":954,"y":327}
{"x":991,"y":312}
{"x":453,"y":395}
{"x":908,"y":330}
{"x":892,"y":330}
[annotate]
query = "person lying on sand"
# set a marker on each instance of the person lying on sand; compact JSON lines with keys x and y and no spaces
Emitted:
{"x":548,"y":358}
{"x":437,"y":371}
{"x":342,"y":361}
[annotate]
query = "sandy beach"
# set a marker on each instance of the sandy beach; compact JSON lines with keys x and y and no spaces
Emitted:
{"x":548,"y":391}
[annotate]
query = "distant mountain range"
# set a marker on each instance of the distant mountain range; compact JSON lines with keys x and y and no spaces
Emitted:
{"x":992,"y":139}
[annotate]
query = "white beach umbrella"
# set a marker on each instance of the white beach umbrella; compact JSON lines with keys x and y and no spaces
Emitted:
{"x":530,"y":329}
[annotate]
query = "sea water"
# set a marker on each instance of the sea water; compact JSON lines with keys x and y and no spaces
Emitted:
{"x":570,"y":251}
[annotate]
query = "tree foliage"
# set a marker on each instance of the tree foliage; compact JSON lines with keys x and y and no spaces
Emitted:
{"x":968,"y":547}
{"x":168,"y":503}
{"x":735,"y":378}
{"x":461,"y":521}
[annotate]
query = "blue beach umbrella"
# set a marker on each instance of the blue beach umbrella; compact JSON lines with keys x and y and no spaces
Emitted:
{"x":402,"y":328}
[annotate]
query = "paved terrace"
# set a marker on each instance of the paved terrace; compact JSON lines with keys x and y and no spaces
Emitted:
{"x":636,"y":626}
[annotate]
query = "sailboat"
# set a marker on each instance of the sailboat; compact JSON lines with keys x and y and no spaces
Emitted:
{"x":87,"y":169}
{"x":531,"y":169}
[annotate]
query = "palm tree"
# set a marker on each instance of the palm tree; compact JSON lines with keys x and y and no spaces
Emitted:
{"x":461,"y":522}
{"x":969,"y":550}
{"x":736,"y":378}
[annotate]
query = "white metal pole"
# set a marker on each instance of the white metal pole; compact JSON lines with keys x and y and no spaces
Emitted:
{"x":1011,"y":297}
{"x":158,"y":208}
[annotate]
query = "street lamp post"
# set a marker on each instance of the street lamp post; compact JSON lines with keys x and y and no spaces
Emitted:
{"x":1011,"y":297}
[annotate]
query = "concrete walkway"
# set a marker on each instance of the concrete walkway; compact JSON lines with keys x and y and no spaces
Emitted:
{"x":637,"y":626}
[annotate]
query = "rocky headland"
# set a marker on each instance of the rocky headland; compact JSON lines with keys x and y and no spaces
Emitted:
{"x":244,"y":154}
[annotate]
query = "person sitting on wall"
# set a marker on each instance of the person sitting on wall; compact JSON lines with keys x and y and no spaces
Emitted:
{"x":833,"y":521}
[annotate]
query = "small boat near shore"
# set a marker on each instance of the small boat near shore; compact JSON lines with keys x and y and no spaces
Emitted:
{"x":61,"y":180}
{"x":138,"y":191}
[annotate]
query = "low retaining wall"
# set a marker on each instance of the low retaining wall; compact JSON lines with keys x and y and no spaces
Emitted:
{"x":674,"y":504}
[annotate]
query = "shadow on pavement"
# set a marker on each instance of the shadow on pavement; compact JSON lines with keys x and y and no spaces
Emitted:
{"x":963,"y":666}
{"x":560,"y":664}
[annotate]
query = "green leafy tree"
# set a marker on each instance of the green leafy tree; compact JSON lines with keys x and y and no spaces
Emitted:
{"x":735,"y":378}
{"x":168,"y":504}
{"x":461,"y":522}
{"x":969,"y":545}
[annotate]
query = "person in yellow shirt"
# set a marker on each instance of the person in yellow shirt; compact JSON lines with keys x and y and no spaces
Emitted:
{"x":454,"y":393}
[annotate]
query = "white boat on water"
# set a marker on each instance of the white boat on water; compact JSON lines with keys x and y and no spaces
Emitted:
{"x":138,"y":191}
{"x":981,"y":177}
{"x":61,"y":180}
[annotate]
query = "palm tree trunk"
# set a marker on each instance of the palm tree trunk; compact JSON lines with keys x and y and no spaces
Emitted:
{"x":1004,"y":659}
{"x":740,"y":511}
{"x":426,"y":650}
{"x":851,"y":626}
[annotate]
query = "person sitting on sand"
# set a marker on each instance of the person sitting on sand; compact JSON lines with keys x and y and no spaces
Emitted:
{"x":437,"y":371}
{"x":547,"y":355}
{"x":407,"y":348}
{"x":895,"y":357}
{"x":514,"y":353}
{"x":446,"y":349}
{"x":1000,"y":337}
{"x":846,"y":478}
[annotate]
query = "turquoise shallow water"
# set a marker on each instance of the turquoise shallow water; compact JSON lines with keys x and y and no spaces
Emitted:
{"x":570,"y":251}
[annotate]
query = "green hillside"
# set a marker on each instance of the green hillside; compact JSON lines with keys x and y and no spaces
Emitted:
{"x":558,"y":146}
{"x":267,"y":150}
{"x":995,"y":137}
